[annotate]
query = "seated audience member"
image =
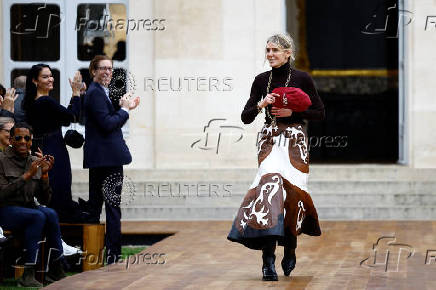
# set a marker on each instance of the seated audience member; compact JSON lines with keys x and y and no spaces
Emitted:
{"x":5,"y":127}
{"x":22,"y":178}
{"x":20,"y":89}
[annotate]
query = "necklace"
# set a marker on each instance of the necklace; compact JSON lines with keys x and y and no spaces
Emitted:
{"x":273,"y":119}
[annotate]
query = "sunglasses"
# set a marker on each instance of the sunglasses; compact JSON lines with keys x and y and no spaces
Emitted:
{"x":18,"y":138}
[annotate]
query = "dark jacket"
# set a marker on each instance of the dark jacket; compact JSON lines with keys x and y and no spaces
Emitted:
{"x":20,"y":115}
{"x":14,"y":190}
{"x":104,"y":142}
{"x":6,"y":113}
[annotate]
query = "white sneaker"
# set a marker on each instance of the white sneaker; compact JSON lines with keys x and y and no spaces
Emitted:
{"x":1,"y":234}
{"x":69,"y":250}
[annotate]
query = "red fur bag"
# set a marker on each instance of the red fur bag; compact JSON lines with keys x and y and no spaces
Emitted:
{"x":291,"y":98}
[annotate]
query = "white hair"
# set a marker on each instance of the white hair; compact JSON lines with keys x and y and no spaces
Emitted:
{"x":284,"y":41}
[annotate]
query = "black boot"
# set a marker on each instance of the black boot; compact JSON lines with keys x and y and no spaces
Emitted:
{"x":289,"y":261}
{"x":28,"y":278}
{"x":55,"y":271}
{"x":268,"y":267}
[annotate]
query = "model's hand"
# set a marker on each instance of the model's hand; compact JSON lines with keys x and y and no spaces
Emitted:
{"x":9,"y":100}
{"x":281,"y":112}
{"x":269,"y":99}
{"x":76,"y":84}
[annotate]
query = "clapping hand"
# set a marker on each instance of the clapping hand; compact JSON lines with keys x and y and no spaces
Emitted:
{"x":134,"y":103}
{"x":77,"y":84}
{"x":32,"y":170}
{"x":9,"y":100}
{"x":39,"y":154}
{"x":83,"y":89}
{"x":46,"y":163}
{"x":129,"y":103}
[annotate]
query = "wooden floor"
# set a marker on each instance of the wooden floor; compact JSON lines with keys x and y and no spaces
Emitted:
{"x":199,"y":256}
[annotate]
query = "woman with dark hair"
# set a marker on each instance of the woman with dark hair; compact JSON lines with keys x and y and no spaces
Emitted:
{"x":277,"y":207}
{"x":47,"y":117}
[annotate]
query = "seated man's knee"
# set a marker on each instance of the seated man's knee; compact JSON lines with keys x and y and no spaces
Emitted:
{"x":51,"y":214}
{"x":37,"y":217}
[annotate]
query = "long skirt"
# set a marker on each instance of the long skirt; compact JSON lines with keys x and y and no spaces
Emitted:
{"x":277,"y":205}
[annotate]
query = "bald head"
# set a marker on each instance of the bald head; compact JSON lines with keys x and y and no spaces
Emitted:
{"x":20,"y":82}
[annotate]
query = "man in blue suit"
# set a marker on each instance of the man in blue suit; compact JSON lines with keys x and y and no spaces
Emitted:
{"x":105,"y":151}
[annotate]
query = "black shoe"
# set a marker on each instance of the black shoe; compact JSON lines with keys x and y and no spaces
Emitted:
{"x":55,"y":272}
{"x":83,"y":205}
{"x":268,"y":269}
{"x":288,"y":263}
{"x":28,"y":278}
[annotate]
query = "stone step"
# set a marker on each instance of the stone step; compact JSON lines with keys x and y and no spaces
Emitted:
{"x":317,"y":172}
{"x":344,"y":192}
{"x":324,"y":213}
{"x":224,"y":188}
{"x":324,"y":199}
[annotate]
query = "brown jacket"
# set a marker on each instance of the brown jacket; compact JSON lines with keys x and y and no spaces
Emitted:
{"x":14,"y":190}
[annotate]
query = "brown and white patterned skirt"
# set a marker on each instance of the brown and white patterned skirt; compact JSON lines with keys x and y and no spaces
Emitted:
{"x":277,"y":204}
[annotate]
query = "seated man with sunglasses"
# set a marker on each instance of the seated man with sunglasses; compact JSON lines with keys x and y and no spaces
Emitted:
{"x":22,"y":178}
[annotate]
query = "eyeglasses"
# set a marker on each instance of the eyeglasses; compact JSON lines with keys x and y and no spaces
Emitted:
{"x":18,"y":138}
{"x":105,"y":68}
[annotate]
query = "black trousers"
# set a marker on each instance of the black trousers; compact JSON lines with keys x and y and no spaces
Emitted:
{"x":105,"y":184}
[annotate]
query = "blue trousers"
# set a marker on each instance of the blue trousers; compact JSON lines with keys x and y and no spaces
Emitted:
{"x":34,"y":222}
{"x":100,"y":179}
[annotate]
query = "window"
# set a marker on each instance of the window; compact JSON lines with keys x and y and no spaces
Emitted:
{"x":35,"y":32}
{"x":65,"y":34}
{"x":98,"y":31}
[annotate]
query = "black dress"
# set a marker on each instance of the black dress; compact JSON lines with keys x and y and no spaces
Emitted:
{"x":47,"y":117}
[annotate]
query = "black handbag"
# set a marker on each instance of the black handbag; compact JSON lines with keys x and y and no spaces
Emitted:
{"x":74,"y":139}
